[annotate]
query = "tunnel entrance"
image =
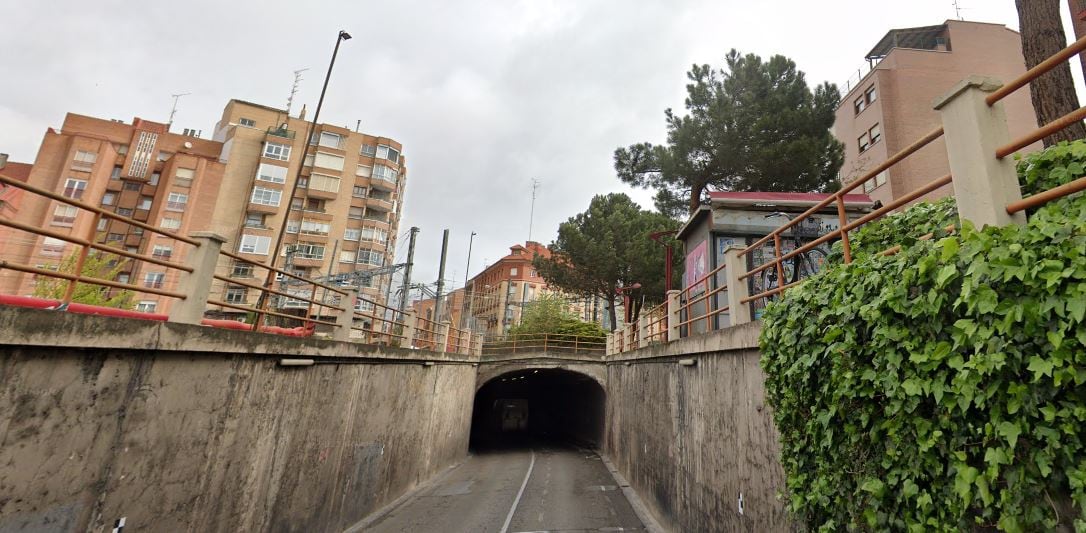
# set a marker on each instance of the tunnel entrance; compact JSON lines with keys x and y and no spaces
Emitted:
{"x":547,"y":406}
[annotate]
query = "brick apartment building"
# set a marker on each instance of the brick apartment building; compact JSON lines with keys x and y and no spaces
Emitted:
{"x":346,"y":212}
{"x":138,"y":170}
{"x":11,"y":197}
{"x":892,"y":105}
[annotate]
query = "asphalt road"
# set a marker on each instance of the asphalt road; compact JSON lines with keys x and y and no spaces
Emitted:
{"x":541,"y":489}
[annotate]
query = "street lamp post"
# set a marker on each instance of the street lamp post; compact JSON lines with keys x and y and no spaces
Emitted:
{"x":465,"y":318}
{"x":625,"y":292}
{"x":310,"y":128}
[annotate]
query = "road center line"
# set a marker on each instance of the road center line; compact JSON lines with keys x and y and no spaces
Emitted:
{"x":513,"y":509}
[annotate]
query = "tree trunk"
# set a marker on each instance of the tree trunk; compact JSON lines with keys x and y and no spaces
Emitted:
{"x":1053,"y":93}
{"x":1076,"y":7}
{"x":611,"y":309}
{"x":695,"y":197}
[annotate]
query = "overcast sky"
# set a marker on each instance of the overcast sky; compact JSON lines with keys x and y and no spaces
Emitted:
{"x":484,"y":96}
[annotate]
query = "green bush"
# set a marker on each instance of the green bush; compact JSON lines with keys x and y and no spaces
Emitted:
{"x":942,"y":388}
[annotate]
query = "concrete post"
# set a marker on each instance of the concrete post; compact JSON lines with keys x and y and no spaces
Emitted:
{"x":442,"y":336}
{"x":738,"y":289}
{"x":673,"y":315}
{"x":410,"y":324}
{"x":346,"y":315}
{"x":983,"y":185}
{"x":197,"y":284}
{"x":610,"y":346}
{"x":627,"y":337}
{"x":642,"y":331}
{"x":477,"y":347}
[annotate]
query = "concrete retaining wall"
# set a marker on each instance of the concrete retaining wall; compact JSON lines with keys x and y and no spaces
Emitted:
{"x":217,"y":436}
{"x":692,"y":439}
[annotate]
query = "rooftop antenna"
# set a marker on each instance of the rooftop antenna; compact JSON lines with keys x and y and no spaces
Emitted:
{"x":958,"y":9}
{"x":531,"y":215}
{"x":173,"y":111}
{"x":294,"y":88}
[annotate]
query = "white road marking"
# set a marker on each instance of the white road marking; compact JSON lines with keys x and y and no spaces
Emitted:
{"x":513,"y":509}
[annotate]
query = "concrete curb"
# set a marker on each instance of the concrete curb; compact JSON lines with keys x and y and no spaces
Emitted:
{"x":395,"y":504}
{"x":639,"y":507}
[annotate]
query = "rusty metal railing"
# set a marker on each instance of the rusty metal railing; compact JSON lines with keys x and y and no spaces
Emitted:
{"x":544,"y":342}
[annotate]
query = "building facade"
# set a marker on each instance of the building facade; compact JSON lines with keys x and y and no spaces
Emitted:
{"x":892,"y":105}
{"x":138,"y":170}
{"x":345,"y":215}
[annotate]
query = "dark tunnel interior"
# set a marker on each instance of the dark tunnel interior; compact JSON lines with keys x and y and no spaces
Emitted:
{"x":545,"y":406}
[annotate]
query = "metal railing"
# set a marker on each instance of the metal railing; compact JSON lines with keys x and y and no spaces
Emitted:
{"x":544,"y":342}
{"x":968,"y":171}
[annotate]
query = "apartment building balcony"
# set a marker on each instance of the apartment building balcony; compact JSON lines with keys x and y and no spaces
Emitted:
{"x":307,"y":261}
{"x":323,"y":195}
{"x":376,"y":223}
{"x":261,"y":208}
{"x":280,"y":133}
{"x":383,"y":183}
{"x":376,"y":204}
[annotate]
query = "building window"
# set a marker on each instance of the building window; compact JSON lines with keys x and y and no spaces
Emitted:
{"x":358,"y":191}
{"x":384,"y":173}
{"x":513,"y":271}
{"x":309,"y":204}
{"x":177,"y":201}
{"x":108,"y":198}
{"x":162,"y":252}
{"x":74,"y":188}
{"x":132,"y":185}
{"x":352,"y":234}
{"x":876,"y":182}
{"x":103,"y":223}
{"x":247,"y":122}
{"x":328,"y":139}
{"x":52,"y":247}
{"x":864,"y":142}
{"x":170,"y":223}
{"x":137,"y":230}
{"x":236,"y":295}
{"x":164,"y":156}
{"x":124,"y":211}
{"x":146,"y":306}
{"x":183,"y":177}
{"x":324,"y":160}
{"x":84,"y":160}
{"x":308,"y":161}
{"x":874,"y":133}
{"x":242,"y":270}
{"x":320,"y":182}
{"x":262,"y":196}
{"x":145,"y":202}
{"x":374,"y":235}
{"x":859,"y":105}
{"x":114,"y":237}
{"x":870,"y":94}
{"x":122,"y":149}
{"x":389,"y":153}
{"x":302,"y":183}
{"x":64,"y":215}
{"x":364,"y":171}
{"x":254,"y":244}
{"x":155,"y":176}
{"x":154,"y":280}
{"x":309,"y":251}
{"x":254,"y":220}
{"x":355,"y":213}
{"x":123,"y":277}
{"x":370,"y":257}
{"x":369,"y":150}
{"x":314,"y":227}
{"x":116,"y":174}
{"x":272,"y":173}
{"x":293,"y":226}
{"x":347,"y":257}
{"x":277,"y":151}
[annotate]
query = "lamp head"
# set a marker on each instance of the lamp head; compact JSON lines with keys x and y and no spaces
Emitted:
{"x":344,"y":35}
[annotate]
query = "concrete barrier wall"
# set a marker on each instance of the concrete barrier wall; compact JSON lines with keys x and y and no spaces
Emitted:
{"x":215,"y":436}
{"x":691,"y":439}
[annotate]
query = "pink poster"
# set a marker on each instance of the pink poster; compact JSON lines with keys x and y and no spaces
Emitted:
{"x":697,"y":266}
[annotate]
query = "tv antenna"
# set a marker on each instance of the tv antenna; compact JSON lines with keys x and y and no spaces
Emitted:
{"x":531,"y":215}
{"x":173,"y":111}
{"x":958,"y":9}
{"x":294,"y":88}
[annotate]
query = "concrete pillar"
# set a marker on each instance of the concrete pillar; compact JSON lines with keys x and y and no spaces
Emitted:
{"x":442,"y":336}
{"x":627,"y":337}
{"x":477,"y":344}
{"x":410,"y":324}
{"x":642,"y":331}
{"x":197,"y":284}
{"x":346,"y":315}
{"x":673,"y":315}
{"x":983,"y":185}
{"x":610,"y":346}
{"x":738,"y":289}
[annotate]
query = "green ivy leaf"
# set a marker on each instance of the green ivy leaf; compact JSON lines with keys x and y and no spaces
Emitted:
{"x":1010,"y":431}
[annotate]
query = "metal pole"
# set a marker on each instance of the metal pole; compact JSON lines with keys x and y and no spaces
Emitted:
{"x":309,"y":129}
{"x":328,"y":277}
{"x":441,"y":276}
{"x":463,"y":316}
{"x":407,"y":270}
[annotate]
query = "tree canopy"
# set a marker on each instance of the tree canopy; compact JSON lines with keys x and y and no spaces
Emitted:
{"x":550,"y":314}
{"x":607,"y":247}
{"x":97,"y":265}
{"x":753,"y":126}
